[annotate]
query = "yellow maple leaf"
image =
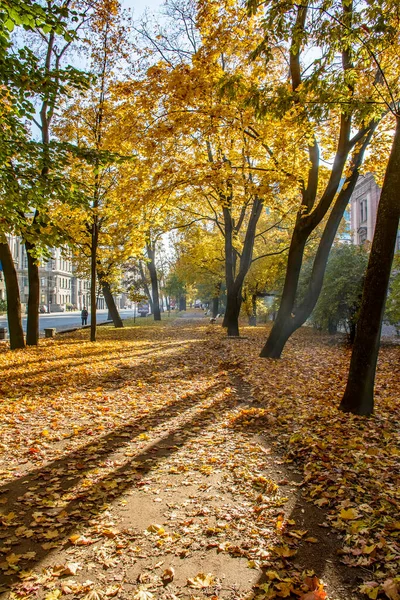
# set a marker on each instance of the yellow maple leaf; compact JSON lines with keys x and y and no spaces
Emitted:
{"x":53,"y":595}
{"x":201,"y":580}
{"x":349,"y":514}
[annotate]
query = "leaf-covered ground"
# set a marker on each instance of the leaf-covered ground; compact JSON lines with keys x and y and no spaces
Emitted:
{"x":168,"y":462}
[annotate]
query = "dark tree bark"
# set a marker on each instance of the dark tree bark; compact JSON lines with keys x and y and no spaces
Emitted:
{"x":359,"y":395}
{"x":232,"y":312}
{"x":32,"y":323}
{"x":215,"y":306}
{"x":145,"y":286}
{"x":234,"y":281}
{"x":13,"y":298}
{"x":290,"y":317}
{"x":312,"y":212}
{"x":235,"y":277}
{"x":182,"y":302}
{"x":151,"y":265}
{"x":112,"y":307}
{"x":93,"y":280}
{"x":113,"y":313}
{"x":215,"y":300}
{"x":352,"y":332}
{"x":253,"y":316}
{"x":46,"y":114}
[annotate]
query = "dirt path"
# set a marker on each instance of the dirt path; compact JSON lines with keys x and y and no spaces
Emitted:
{"x":144,"y":486}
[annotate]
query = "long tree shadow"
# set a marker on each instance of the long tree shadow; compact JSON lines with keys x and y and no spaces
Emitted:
{"x":321,"y":557}
{"x":107,"y":444}
{"x":122,"y":336}
{"x":130,"y":365}
{"x":70,"y":364}
{"x":78,"y":507}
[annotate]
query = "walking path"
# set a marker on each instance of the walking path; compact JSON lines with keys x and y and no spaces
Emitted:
{"x":130,"y":470}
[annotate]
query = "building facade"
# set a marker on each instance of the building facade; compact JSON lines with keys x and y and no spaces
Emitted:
{"x":363,"y":210}
{"x":60,"y":286}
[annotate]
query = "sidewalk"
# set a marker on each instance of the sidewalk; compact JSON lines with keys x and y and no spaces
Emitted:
{"x":134,"y":469}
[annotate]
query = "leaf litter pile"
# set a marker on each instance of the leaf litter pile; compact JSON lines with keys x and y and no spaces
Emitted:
{"x":169,"y":462}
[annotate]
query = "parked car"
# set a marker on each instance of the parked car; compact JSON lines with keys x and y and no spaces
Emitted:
{"x":143,"y":309}
{"x":43,"y":309}
{"x":57,"y":308}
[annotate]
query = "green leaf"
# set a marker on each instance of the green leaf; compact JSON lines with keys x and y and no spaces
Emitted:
{"x":9,"y":25}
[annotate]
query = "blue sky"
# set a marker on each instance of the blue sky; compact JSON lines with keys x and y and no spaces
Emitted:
{"x":139,"y":6}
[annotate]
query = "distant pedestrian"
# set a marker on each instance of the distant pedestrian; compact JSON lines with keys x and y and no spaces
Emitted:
{"x":84,"y":316}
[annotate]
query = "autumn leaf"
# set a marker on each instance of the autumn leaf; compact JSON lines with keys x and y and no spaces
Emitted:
{"x":53,"y":595}
{"x":201,"y":580}
{"x":168,"y":575}
{"x":155,"y":529}
{"x":142,"y":594}
{"x":371,"y":589}
{"x":349,"y":514}
{"x":112,"y":591}
{"x":71,"y":568}
{"x":284,"y":551}
{"x":391,"y":589}
{"x":93,"y":595}
{"x":80,"y":540}
{"x":315,"y":595}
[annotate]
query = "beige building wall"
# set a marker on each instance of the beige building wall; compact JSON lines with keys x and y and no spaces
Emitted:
{"x":363,"y":210}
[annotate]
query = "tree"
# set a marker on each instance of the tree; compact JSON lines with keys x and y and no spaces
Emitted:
{"x":151,"y":265}
{"x":206,"y":153}
{"x":175,"y":288}
{"x":55,"y":83}
{"x":340,"y":298}
{"x":200,"y":262}
{"x":359,"y":394}
{"x":105,"y":225}
{"x":24,"y":79}
{"x":393,"y":301}
{"x":13,"y":298}
{"x":338,"y":107}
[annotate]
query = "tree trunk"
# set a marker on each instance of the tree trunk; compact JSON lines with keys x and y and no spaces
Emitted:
{"x":359,"y":395}
{"x":145,"y":286}
{"x":253,"y":316}
{"x":283,"y":326}
{"x":13,"y":298}
{"x":112,"y":307}
{"x":352,"y":332}
{"x":93,"y":281}
{"x":182,"y":302}
{"x":231,"y":318}
{"x":332,"y":326}
{"x":234,"y":282}
{"x":215,"y":300}
{"x":215,"y":306}
{"x":32,"y":324}
{"x":289,"y":317}
{"x":151,"y":265}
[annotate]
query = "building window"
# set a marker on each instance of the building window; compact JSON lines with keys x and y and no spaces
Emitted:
{"x":363,"y":211}
{"x":362,"y":236}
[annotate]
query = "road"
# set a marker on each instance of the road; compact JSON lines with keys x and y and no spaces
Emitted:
{"x":66,"y":320}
